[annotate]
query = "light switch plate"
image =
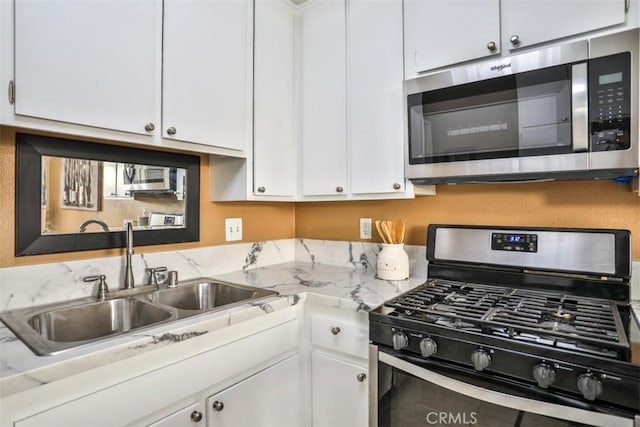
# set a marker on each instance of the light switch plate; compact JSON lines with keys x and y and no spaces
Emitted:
{"x":233,"y":229}
{"x":365,"y":228}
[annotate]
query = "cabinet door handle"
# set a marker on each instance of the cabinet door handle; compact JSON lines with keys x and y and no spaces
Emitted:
{"x":491,"y":46}
{"x":149,"y":127}
{"x":361,"y":377}
{"x":261,"y":189}
{"x":397,"y":186}
{"x":171,"y":131}
{"x":196,"y":416}
{"x":218,"y":406}
{"x":335,"y":330}
{"x":339,"y":189}
{"x":515,"y":40}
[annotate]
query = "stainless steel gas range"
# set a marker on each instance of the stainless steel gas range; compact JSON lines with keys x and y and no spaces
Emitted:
{"x":518,"y":326}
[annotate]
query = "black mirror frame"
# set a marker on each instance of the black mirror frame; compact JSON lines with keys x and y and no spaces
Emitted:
{"x":29,"y":239}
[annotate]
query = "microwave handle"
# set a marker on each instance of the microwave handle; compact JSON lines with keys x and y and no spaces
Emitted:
{"x":580,"y":107}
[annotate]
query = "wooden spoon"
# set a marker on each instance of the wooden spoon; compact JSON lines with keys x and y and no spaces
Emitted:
{"x":391,"y":229}
{"x":400,"y":230}
{"x":380,"y":231}
{"x":386,"y":237}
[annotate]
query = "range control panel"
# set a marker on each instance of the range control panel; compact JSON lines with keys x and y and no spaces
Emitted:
{"x":610,"y":102}
{"x":517,"y":242}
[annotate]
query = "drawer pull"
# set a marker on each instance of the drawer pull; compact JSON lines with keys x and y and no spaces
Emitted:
{"x":335,"y":330}
{"x":218,"y":406}
{"x":361,"y":377}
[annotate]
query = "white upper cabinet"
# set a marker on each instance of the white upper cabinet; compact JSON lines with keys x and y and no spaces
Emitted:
{"x":94,"y":62}
{"x":206,"y":85}
{"x":324,"y":118}
{"x":443,"y":32}
{"x":439,"y":33}
{"x":352,"y":122}
{"x":274,"y":151}
{"x":376,"y":144}
{"x":529,"y":22}
{"x":174,"y":69}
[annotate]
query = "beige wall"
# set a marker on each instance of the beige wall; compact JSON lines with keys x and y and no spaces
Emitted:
{"x":558,"y":204}
{"x":563,"y":204}
{"x":261,"y":221}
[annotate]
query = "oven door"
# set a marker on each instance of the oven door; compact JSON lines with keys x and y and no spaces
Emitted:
{"x":407,"y":391}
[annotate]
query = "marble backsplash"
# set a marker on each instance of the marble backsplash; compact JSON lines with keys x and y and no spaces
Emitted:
{"x":40,"y":284}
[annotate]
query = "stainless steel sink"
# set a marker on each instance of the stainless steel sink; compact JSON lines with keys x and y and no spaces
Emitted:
{"x":54,"y":328}
{"x":95,"y":320}
{"x":207,"y":295}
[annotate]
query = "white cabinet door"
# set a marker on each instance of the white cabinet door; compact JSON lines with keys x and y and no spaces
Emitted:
{"x":206,"y":94}
{"x":191,"y":416}
{"x":270,"y":398}
{"x":443,"y":32}
{"x":93,"y":63}
{"x":324,"y":128}
{"x":376,"y":144}
{"x":538,"y":21}
{"x":274,"y":154}
{"x":339,"y":392}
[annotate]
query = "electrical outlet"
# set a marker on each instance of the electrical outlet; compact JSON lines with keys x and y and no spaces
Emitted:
{"x":233,"y":229}
{"x":365,"y":228}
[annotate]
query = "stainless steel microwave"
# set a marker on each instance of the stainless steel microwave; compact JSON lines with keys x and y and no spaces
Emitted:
{"x":145,"y":178}
{"x":569,"y":111}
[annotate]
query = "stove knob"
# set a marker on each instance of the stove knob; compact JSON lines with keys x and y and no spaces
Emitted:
{"x":480,"y":359}
{"x":428,"y":347}
{"x":589,"y":386}
{"x":400,"y":340}
{"x":544,"y":375}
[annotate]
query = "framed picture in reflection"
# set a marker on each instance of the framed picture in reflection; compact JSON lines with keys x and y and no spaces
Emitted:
{"x":79,"y":184}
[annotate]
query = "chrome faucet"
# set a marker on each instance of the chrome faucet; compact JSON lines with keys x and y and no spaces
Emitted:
{"x":128,"y":272}
{"x":102,"y":224}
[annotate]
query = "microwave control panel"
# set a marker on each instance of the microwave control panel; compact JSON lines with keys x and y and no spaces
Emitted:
{"x":610,"y":102}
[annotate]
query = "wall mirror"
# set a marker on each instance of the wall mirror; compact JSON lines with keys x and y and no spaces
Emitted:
{"x":75,"y":196}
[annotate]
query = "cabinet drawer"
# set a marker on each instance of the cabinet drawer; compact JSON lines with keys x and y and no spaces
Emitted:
{"x":340,"y":335}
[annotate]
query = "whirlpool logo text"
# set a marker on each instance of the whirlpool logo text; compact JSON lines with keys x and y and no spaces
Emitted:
{"x":446,"y":418}
{"x":500,"y":67}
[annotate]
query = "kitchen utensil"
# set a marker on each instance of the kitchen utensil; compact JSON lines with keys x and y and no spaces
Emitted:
{"x":379,"y":229}
{"x":400,"y":230}
{"x":386,"y":236}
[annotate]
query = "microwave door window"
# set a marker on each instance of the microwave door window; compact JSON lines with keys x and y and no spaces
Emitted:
{"x":544,"y":111}
{"x":464,"y":123}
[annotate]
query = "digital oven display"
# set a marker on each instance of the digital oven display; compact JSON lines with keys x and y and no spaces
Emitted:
{"x":515,"y":242}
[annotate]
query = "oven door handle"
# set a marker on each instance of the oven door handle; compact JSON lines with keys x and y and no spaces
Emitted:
{"x":501,"y":399}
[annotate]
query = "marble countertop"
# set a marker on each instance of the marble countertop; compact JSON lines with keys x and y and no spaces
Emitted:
{"x":350,"y":288}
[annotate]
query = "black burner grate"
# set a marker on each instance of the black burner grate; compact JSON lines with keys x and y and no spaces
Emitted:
{"x":588,"y":324}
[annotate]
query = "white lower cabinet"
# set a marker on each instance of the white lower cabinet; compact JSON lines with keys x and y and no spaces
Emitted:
{"x":241,"y":373}
{"x":339,"y":367}
{"x":269,"y":398}
{"x":192,"y":415}
{"x":339,"y":391}
{"x":295,"y":367}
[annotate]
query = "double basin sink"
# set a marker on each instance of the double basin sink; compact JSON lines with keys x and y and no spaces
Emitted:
{"x":53,"y":328}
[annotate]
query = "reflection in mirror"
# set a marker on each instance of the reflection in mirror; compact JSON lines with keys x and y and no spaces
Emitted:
{"x":84,"y":196}
{"x":73,"y":195}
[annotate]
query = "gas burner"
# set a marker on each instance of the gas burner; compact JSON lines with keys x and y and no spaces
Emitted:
{"x":544,"y":317}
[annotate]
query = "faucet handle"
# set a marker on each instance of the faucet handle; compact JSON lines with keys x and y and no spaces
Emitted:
{"x":102,"y":286}
{"x":153,"y":279}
